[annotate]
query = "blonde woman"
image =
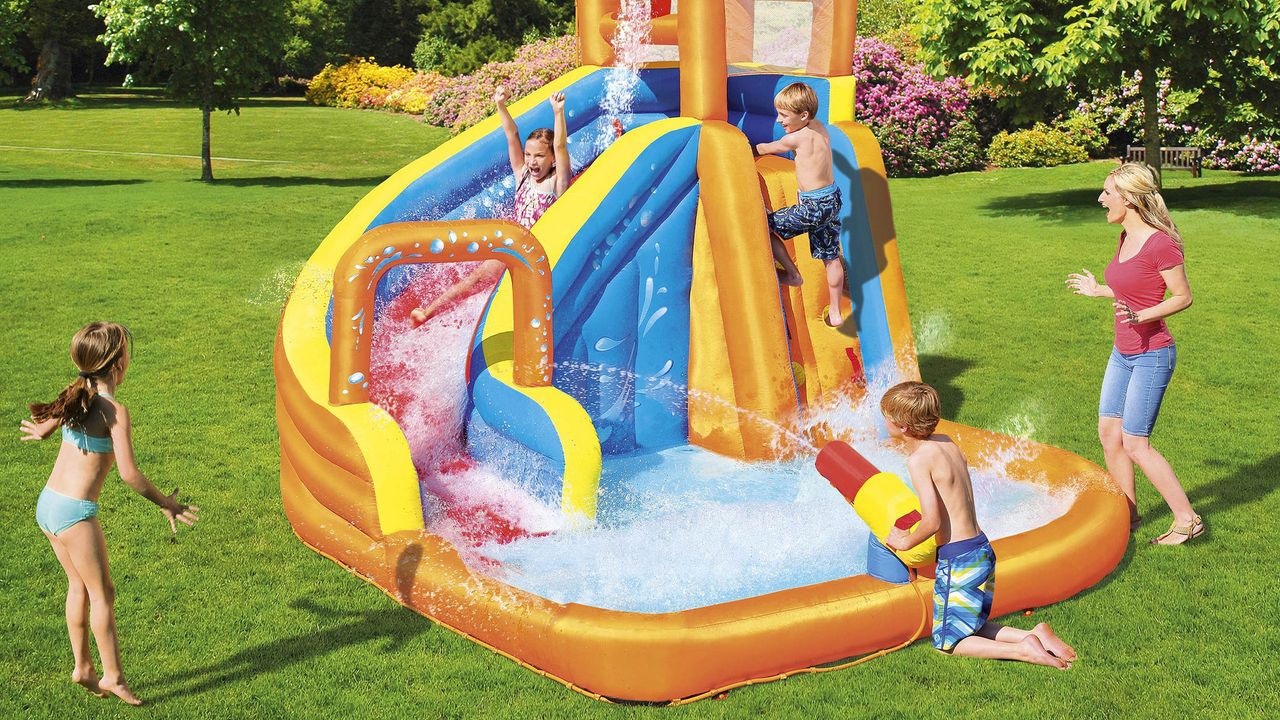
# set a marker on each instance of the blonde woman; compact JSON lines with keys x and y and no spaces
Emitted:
{"x":1147,"y":266}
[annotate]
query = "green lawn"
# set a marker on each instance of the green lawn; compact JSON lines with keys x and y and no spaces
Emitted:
{"x":237,"y":619}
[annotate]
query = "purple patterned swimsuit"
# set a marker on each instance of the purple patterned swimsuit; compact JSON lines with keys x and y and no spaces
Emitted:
{"x":533,"y":197}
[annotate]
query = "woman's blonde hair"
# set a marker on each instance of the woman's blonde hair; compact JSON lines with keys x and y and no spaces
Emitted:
{"x":914,"y":406}
{"x":98,"y":349}
{"x":1136,"y":183}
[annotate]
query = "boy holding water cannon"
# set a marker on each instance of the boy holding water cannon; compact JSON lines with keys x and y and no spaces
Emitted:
{"x":965,"y":582}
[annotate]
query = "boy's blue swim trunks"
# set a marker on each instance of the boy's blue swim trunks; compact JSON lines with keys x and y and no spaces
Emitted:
{"x":963,"y":590}
{"x":817,"y":213}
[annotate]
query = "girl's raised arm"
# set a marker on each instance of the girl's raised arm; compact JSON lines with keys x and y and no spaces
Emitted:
{"x":127,"y":464}
{"x":564,"y":168}
{"x":515,"y":152}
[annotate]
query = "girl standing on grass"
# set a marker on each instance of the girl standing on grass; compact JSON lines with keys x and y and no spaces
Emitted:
{"x":542,"y":171}
{"x":96,"y":433}
{"x":1147,"y":263}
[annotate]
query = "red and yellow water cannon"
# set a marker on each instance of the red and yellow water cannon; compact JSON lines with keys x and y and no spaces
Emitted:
{"x":881,"y":499}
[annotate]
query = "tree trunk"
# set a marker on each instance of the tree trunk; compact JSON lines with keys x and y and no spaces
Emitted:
{"x":53,"y":73}
{"x":1149,"y":90}
{"x":206,"y":163}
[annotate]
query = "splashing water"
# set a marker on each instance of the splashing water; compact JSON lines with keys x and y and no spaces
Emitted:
{"x":676,"y":529}
{"x":629,"y":41}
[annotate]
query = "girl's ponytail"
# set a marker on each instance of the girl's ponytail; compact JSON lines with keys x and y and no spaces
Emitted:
{"x":99,"y":350}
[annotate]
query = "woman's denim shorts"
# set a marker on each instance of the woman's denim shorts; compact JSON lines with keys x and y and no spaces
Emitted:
{"x":1133,"y":387}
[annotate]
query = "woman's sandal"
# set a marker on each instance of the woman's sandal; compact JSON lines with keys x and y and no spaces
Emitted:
{"x":1190,"y":531}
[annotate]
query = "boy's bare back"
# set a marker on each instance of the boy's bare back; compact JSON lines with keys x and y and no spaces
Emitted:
{"x":813,"y":156}
{"x":937,"y":463}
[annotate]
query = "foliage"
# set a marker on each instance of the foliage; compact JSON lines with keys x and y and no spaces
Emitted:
{"x":213,"y":54}
{"x":384,"y":30}
{"x":924,"y":126}
{"x":468,"y":99}
{"x":1083,"y":133}
{"x":1040,"y":146}
{"x":354,"y":82}
{"x":1040,"y":50}
{"x":462,"y":35}
{"x":11,"y":30}
{"x":893,"y":21}
{"x":317,"y":35}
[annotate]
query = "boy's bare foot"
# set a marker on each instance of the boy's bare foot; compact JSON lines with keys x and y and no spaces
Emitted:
{"x":418,"y":316}
{"x":790,"y":278}
{"x":1035,"y":653}
{"x":1053,"y":643}
{"x":832,"y":318}
{"x":120,"y":690}
{"x":88,"y":679}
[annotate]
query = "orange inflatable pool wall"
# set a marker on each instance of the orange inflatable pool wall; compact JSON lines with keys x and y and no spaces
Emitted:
{"x":347,"y":478}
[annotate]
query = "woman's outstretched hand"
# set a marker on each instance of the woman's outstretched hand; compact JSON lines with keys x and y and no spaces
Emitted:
{"x":176,"y":511}
{"x":1127,"y":314}
{"x":1084,"y":283}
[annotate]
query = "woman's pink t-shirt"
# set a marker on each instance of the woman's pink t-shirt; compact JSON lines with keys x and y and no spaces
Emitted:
{"x":1138,"y":283}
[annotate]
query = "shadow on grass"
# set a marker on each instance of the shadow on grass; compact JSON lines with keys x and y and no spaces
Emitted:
{"x":299,"y":180}
{"x":65,"y":182}
{"x":1260,"y":198}
{"x":395,"y":625}
{"x":940,"y":371}
{"x":1248,"y":484}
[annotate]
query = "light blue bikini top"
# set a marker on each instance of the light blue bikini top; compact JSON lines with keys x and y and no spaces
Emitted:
{"x":87,"y":442}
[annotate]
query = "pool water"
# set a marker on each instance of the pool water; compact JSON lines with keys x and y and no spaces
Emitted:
{"x":676,"y":529}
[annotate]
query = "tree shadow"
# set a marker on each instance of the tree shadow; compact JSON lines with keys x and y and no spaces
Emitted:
{"x":66,"y":182}
{"x":1260,"y":198}
{"x":940,"y":371}
{"x":299,"y":180}
{"x":393,"y":625}
{"x":1247,"y":484}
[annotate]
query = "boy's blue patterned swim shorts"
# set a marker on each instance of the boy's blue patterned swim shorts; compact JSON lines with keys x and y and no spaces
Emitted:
{"x":963,"y":590}
{"x":818,"y":214}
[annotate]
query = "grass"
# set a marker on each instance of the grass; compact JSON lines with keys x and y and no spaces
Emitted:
{"x":237,"y":619}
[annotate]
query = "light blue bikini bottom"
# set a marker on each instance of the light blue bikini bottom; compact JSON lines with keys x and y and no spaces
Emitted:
{"x":56,"y":512}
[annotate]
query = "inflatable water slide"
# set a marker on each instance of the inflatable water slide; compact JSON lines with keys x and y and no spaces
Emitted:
{"x":656,"y":261}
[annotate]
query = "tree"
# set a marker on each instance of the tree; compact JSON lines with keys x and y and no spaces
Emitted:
{"x":474,"y":32}
{"x":1033,"y":48}
{"x":214,"y":52}
{"x":317,"y":30}
{"x":11,"y":30}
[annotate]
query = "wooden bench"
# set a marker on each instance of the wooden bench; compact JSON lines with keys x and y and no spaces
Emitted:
{"x":1177,"y":158}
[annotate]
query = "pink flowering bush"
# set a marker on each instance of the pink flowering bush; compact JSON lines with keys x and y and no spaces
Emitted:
{"x":465,"y":100}
{"x":1118,"y":113}
{"x":925,"y":126}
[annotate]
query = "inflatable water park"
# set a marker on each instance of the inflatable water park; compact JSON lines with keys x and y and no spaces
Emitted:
{"x":607,"y":468}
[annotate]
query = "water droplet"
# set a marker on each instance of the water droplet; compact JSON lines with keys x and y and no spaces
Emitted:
{"x":543,"y":348}
{"x":535,"y":323}
{"x":453,"y":236}
{"x":472,"y":247}
{"x":464,"y":234}
{"x":548,"y":316}
{"x":369,"y":260}
{"x":645,"y":218}
{"x":437,"y":245}
{"x":364,"y":385}
{"x":388,"y":250}
{"x":508,"y":242}
{"x":356,"y":377}
{"x":497,"y":233}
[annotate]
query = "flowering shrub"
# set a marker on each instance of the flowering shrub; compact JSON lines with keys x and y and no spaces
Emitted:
{"x":359,"y":82}
{"x":925,"y":126}
{"x":1251,"y":154}
{"x":465,"y":100}
{"x":1118,"y":113}
{"x":1041,"y":146}
{"x":1082,"y":132}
